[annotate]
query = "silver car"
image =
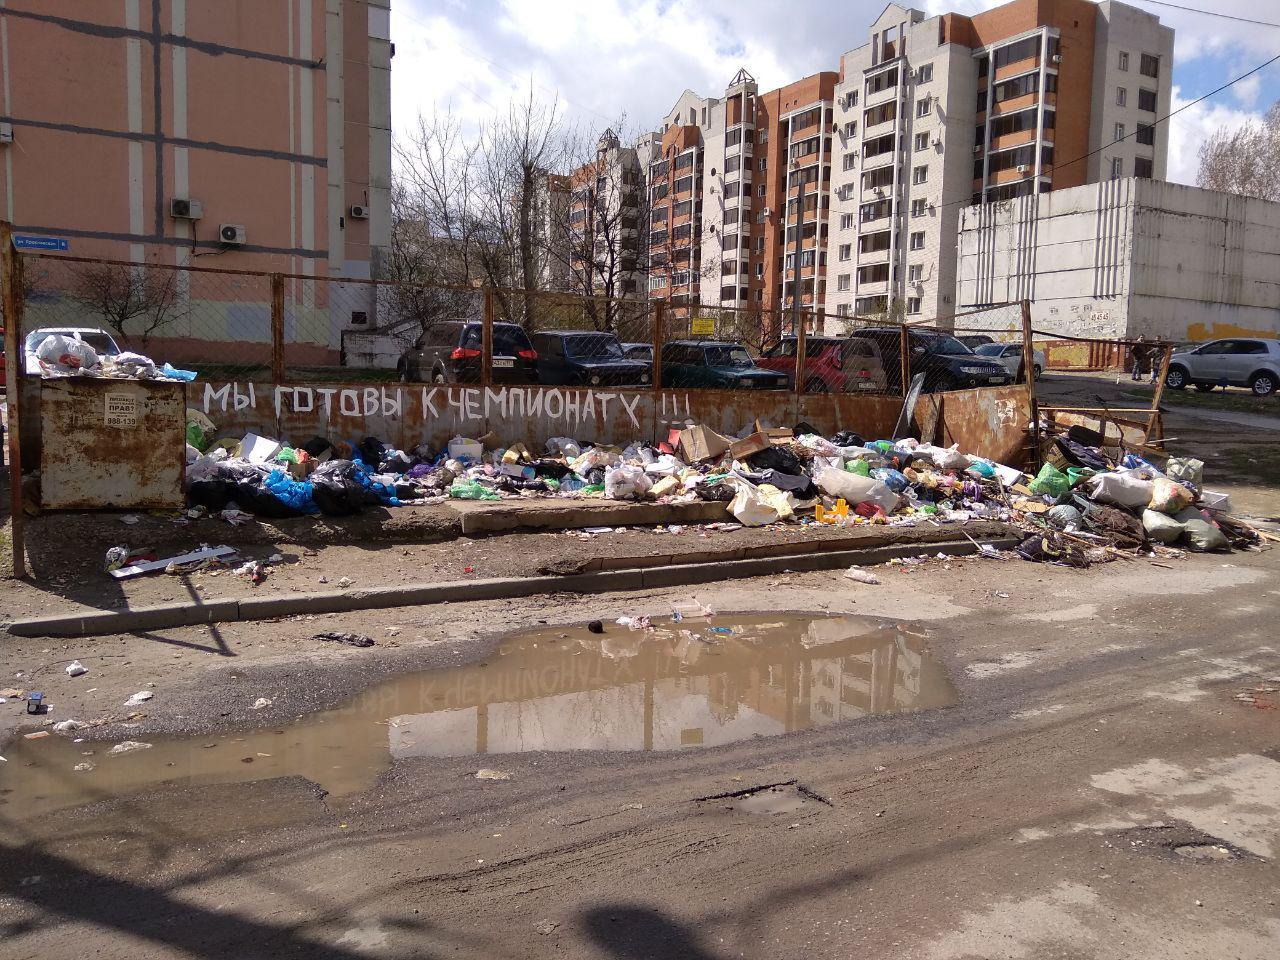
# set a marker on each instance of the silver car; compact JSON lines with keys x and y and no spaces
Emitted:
{"x":1010,"y":355}
{"x":1251,"y":362}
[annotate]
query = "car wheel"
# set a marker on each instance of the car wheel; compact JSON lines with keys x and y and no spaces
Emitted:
{"x":949,"y":383}
{"x":1263,"y":384}
{"x":1176,"y":378}
{"x":816,"y":385}
{"x":1205,"y":387}
{"x":1036,"y":372}
{"x":407,"y":373}
{"x":439,"y":377}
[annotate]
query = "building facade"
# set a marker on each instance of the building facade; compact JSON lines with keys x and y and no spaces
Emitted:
{"x":935,"y":113}
{"x":1127,"y":257}
{"x":606,"y":206}
{"x":246,"y":134}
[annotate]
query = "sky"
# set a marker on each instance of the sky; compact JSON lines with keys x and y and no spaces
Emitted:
{"x":606,"y":61}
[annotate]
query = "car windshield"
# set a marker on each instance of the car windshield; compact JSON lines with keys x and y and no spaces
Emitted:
{"x":728,"y":357}
{"x":593,"y":347}
{"x":989,"y":350}
{"x":948,"y":346}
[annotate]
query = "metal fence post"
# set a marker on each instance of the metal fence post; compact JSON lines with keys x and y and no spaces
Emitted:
{"x":486,"y":340}
{"x":904,"y":358}
{"x":11,"y":299}
{"x":802,"y":348}
{"x":659,"y":315}
{"x":1029,"y":371}
{"x":277,"y":327}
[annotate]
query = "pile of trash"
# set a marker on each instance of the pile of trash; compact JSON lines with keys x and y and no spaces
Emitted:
{"x":1079,"y":509}
{"x":62,"y":356}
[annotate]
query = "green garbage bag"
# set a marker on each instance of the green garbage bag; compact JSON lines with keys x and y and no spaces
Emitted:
{"x":1078,"y":475}
{"x":288,"y":454}
{"x":1050,"y":480}
{"x":196,"y":437}
{"x":860,"y":467}
{"x":470,"y":490}
{"x":593,"y":488}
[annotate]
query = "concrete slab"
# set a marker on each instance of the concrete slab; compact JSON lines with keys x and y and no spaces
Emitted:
{"x":508,"y":515}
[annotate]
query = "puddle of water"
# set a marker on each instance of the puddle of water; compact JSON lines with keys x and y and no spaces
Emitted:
{"x":698,"y":682}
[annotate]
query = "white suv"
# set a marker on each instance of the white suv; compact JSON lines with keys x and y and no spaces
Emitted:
{"x":1238,"y":362}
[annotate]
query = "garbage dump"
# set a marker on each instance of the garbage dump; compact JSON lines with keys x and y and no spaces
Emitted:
{"x":61,"y":355}
{"x":1081,"y":507}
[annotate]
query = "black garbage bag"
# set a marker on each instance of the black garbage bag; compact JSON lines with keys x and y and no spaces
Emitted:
{"x":777,"y":458}
{"x":254,"y":498}
{"x":337,"y":493}
{"x":847,"y":438}
{"x":371,"y":450}
{"x":554,"y":469}
{"x":718,"y":492}
{"x":1079,"y":455}
{"x":803,"y":487}
{"x":406,"y":491}
{"x":595,"y":475}
{"x":394,"y":461}
{"x":213,"y":495}
{"x":804,"y":427}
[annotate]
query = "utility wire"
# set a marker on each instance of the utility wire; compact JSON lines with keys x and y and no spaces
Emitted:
{"x":1158,"y":120}
{"x":1211,"y":13}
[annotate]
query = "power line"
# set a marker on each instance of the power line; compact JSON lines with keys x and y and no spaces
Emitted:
{"x":1158,"y":120}
{"x":1211,"y":13}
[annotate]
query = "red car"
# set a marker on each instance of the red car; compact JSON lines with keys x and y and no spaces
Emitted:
{"x":831,"y":365}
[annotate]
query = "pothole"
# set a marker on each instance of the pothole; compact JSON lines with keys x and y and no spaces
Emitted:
{"x":1203,"y":851}
{"x":1180,"y":841}
{"x":672,"y":683}
{"x":769,"y":799}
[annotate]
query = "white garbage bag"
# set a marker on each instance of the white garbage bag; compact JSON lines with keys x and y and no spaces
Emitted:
{"x":626,"y":482}
{"x":749,"y":507}
{"x":854,"y":488}
{"x":1123,"y":488}
{"x":64,"y":354}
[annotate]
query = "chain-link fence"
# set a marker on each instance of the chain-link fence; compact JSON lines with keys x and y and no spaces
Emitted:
{"x":295,"y":328}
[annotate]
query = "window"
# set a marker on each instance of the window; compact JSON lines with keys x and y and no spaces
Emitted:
{"x":764,"y":164}
{"x":1146,"y":134}
{"x":922,"y":107}
{"x":1014,"y":52}
{"x":1119,"y":132}
{"x":1117,"y":168}
{"x":842,"y":282}
{"x":874,"y":242}
{"x":1149,"y":66}
{"x":877,"y":146}
{"x":759,"y":244}
{"x":1013,"y":123}
{"x":913,"y":304}
{"x":851,"y":128}
{"x":882,"y":81}
{"x":1147,"y":100}
{"x":1022,"y":86}
{"x":879,"y":178}
{"x":846,"y":251}
{"x":919,"y":207}
{"x":842,"y":310}
{"x":924,"y":73}
{"x":1124,"y":60}
{"x":851,"y":99}
{"x":846,"y":221}
{"x":874,"y":211}
{"x":881,"y":114}
{"x":850,"y":161}
{"x":759,"y":270}
{"x":917,"y":240}
{"x":922,"y":141}
{"x":1122,"y":97}
{"x":874,"y":273}
{"x":1142,"y":167}
{"x":915,"y":273}
{"x":920,"y":175}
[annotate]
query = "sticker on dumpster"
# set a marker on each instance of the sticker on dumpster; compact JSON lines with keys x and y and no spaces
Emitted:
{"x":122,"y":410}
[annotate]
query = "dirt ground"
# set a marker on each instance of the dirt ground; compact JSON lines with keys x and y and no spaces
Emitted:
{"x":1097,"y":729}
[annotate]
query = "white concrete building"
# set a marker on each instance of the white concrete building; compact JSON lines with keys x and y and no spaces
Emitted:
{"x":1127,"y":257}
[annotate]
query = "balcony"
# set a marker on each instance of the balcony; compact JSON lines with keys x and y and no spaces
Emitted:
{"x":873,"y":257}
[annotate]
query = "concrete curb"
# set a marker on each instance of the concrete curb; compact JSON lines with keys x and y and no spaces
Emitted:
{"x":163,"y":616}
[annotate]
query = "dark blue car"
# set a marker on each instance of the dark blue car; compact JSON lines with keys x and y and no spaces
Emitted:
{"x":586,"y":359}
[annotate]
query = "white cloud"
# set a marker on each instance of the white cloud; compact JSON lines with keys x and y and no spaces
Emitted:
{"x":1189,"y":129}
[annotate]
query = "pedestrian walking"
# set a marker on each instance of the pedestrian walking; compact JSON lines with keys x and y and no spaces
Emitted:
{"x":1138,"y":354}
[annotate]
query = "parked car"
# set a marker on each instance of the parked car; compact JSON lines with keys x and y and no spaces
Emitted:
{"x":586,"y":359}
{"x":1010,"y":354}
{"x":638,"y":351}
{"x":101,"y":341}
{"x":451,"y":352}
{"x":974,"y":340}
{"x":715,"y":364}
{"x":946,"y":362}
{"x":831,"y":364}
{"x":1238,"y":362}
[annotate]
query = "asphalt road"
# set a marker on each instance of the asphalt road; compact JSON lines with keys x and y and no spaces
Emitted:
{"x":1099,"y":729}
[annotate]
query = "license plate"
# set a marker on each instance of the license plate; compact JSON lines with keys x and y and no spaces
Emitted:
{"x":866,"y":385}
{"x":503,"y":362}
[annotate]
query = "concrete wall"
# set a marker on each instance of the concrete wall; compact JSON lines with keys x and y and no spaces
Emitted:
{"x":991,"y":421}
{"x":1128,"y":257}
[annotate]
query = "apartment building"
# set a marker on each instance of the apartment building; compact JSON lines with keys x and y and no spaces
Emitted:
{"x":935,"y":113}
{"x":605,"y":207}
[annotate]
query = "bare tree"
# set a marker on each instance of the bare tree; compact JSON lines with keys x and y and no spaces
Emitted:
{"x":1245,"y":160}
{"x":133,"y":301}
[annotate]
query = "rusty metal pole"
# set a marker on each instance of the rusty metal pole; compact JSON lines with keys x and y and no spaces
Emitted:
{"x":659,"y":316}
{"x":1029,"y":368}
{"x":15,"y":367}
{"x":277,"y":327}
{"x":486,"y":340}
{"x":802,"y":348}
{"x":904,"y":358}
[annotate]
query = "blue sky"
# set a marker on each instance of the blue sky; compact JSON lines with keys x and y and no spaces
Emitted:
{"x":606,"y":60}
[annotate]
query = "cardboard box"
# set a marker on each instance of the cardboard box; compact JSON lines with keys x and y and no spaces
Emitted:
{"x":745,"y":447}
{"x":702,"y":443}
{"x":775,"y":434}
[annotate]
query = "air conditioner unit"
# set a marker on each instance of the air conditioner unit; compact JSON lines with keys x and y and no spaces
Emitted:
{"x":181,"y":209}
{"x":1057,"y":58}
{"x":977,"y":148}
{"x":232,"y":234}
{"x":6,"y":132}
{"x":359,"y":212}
{"x":1023,"y":168}
{"x":937,"y":142}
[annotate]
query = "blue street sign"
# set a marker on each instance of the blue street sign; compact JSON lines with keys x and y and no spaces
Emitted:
{"x":40,"y":243}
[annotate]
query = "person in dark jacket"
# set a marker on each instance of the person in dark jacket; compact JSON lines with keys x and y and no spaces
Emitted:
{"x":1139,"y":354}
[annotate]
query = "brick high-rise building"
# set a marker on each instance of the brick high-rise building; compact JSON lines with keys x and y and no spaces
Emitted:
{"x":931,"y":114}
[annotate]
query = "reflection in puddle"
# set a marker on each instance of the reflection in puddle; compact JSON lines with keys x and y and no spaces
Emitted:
{"x":697,"y":682}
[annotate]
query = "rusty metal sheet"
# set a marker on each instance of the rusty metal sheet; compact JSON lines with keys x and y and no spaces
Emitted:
{"x":111,"y":443}
{"x":408,"y":415}
{"x":990,"y":422}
